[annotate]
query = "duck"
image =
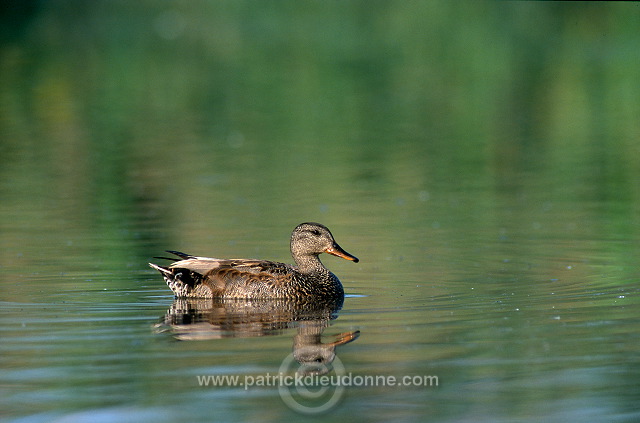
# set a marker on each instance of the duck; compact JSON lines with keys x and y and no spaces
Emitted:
{"x":206,"y":277}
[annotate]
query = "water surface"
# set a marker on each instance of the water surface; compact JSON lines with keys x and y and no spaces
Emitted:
{"x":481,"y":162}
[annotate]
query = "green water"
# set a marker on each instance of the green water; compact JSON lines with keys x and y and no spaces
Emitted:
{"x":480,"y":159}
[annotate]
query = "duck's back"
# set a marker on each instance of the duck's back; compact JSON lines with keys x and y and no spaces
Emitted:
{"x":247,"y":278}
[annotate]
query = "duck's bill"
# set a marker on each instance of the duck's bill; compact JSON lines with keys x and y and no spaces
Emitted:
{"x":336,"y":250}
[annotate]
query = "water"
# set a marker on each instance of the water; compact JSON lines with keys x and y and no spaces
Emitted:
{"x":482,"y":167}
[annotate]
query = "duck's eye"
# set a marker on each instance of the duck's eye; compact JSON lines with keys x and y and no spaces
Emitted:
{"x":315,"y":232}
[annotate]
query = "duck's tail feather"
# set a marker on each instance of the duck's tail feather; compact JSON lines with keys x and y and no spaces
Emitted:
{"x":165,"y":258}
{"x":165,"y":271}
{"x":183,"y":256}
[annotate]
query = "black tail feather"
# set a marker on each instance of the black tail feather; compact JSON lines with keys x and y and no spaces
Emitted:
{"x":165,"y":258}
{"x":183,"y":256}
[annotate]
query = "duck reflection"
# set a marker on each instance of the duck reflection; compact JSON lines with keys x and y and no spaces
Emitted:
{"x":203,"y":319}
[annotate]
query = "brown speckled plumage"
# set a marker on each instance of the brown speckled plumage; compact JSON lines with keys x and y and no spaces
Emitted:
{"x":204,"y":277}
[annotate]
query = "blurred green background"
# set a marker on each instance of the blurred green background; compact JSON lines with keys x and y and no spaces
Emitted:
{"x":123,"y":119}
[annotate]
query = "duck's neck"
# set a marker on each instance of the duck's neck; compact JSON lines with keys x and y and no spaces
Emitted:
{"x":309,"y":264}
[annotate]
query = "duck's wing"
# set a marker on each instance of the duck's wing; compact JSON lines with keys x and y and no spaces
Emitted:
{"x":239,"y":278}
{"x":206,"y":266}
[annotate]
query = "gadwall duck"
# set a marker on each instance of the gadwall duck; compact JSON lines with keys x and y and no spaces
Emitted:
{"x":204,"y":277}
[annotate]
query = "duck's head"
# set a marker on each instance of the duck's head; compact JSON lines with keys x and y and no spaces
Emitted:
{"x":312,"y":239}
